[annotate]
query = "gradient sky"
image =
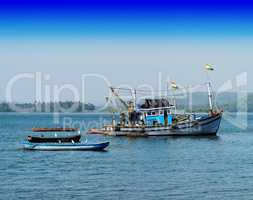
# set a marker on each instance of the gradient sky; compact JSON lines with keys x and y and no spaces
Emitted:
{"x":129,"y":42}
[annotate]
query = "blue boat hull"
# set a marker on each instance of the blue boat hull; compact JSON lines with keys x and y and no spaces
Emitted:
{"x":207,"y":126}
{"x":64,"y":147}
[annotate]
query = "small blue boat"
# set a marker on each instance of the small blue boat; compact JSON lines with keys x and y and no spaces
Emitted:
{"x":64,"y":147}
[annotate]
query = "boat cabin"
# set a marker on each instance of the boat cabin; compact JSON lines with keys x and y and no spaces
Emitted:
{"x":157,"y":117}
{"x":156,"y":112}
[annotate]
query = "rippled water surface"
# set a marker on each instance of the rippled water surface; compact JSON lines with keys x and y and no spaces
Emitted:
{"x":132,"y":168}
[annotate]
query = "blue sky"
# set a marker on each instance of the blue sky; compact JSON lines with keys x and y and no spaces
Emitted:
{"x":123,"y":39}
{"x":127,"y":18}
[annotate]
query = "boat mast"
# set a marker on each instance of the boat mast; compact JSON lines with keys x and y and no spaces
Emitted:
{"x":210,"y":96}
{"x":134,"y":98}
{"x":208,"y":68}
{"x":174,"y":87}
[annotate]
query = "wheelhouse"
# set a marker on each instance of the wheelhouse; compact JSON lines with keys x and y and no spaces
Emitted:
{"x":156,"y":112}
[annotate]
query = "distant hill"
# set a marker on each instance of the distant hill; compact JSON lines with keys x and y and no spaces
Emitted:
{"x":198,"y":102}
{"x":47,"y":107}
{"x":228,"y":101}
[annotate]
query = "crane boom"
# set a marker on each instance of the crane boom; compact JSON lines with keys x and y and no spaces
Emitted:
{"x":119,"y":98}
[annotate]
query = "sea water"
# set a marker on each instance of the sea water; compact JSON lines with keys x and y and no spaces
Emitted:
{"x":132,"y":168}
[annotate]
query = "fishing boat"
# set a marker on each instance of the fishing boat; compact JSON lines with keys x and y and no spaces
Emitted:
{"x":159,"y":117}
{"x":64,"y":147}
{"x":55,"y":138}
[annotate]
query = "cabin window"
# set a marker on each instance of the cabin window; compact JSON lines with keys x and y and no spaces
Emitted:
{"x":148,"y":113}
{"x":161,"y":112}
{"x":153,"y":113}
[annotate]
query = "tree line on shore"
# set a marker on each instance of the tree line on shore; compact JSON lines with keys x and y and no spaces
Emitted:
{"x":62,"y":106}
{"x":227,"y":102}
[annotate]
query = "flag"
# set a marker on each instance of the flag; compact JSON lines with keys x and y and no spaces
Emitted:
{"x":173,"y":85}
{"x":209,"y":67}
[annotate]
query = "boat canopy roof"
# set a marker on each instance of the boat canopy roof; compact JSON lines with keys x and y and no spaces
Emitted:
{"x":55,"y":129}
{"x":155,"y":104}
